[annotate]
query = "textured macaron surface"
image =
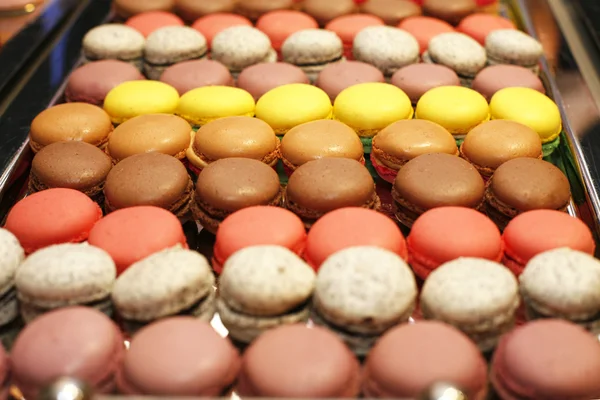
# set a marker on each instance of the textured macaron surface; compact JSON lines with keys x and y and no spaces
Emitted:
{"x":240,"y":46}
{"x":173,"y":44}
{"x":511,"y":46}
{"x":113,"y":41}
{"x":312,"y":46}
{"x":11,"y":256}
{"x":386,"y":47}
{"x":459,"y":52}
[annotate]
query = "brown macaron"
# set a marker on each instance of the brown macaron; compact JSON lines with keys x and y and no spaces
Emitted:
{"x":254,"y":9}
{"x":227,"y":137}
{"x":230,"y":184}
{"x":435,"y":180}
{"x":162,"y":133}
{"x":127,"y":8}
{"x":70,"y":122}
{"x":493,"y":143}
{"x":450,"y":11}
{"x":325,"y":11}
{"x":71,"y":165}
{"x":191,"y":10}
{"x":319,"y":139}
{"x":402,"y":141}
{"x":525,"y":184}
{"x":326,"y":184}
{"x":392,"y":12}
{"x":150,"y":179}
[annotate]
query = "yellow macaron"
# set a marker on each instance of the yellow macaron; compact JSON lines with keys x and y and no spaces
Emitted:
{"x":456,"y":108}
{"x":290,"y":105}
{"x":528,"y":107}
{"x":369,"y":107}
{"x":135,"y":98}
{"x":205,"y":104}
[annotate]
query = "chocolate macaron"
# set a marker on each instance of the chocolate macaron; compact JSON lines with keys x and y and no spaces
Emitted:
{"x":260,"y":78}
{"x":524,"y":184}
{"x":149,"y":179}
{"x":337,"y":77}
{"x":417,"y":79}
{"x":254,"y":9}
{"x":326,"y":184}
{"x":72,"y":165}
{"x":189,"y":75}
{"x":230,"y":184}
{"x":435,"y":180}
{"x":191,"y":10}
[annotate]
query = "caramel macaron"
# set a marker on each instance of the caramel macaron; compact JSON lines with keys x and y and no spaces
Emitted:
{"x":162,"y":133}
{"x":245,"y":137}
{"x":326,"y":184}
{"x":325,"y":11}
{"x":450,"y":11}
{"x":127,"y":8}
{"x":319,"y":139}
{"x":231,"y":184}
{"x":493,"y":143}
{"x":254,"y":9}
{"x":149,"y":179}
{"x":71,"y":165}
{"x":70,"y":122}
{"x":191,"y":10}
{"x":392,"y":12}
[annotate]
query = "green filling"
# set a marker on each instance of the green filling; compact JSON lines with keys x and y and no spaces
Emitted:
{"x":459,"y":142}
{"x":550,"y":147}
{"x":370,"y":167}
{"x":366,"y":141}
{"x":283,"y":178}
{"x":563,"y":159}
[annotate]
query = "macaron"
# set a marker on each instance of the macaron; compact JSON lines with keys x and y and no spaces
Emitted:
{"x":404,"y":140}
{"x":239,"y":47}
{"x":550,"y":290}
{"x":91,"y":82}
{"x":261,"y":288}
{"x":537,"y":231}
{"x":189,"y":75}
{"x":134,"y":233}
{"x":444,"y":234}
{"x":281,"y":24}
{"x":424,"y":29}
{"x":326,"y":184}
{"x":480,"y":25}
{"x":65,"y":275}
{"x":281,"y":363}
{"x":150,"y":21}
{"x":72,"y":165}
{"x":435,"y":180}
{"x":493,"y":143}
{"x":70,"y":122}
{"x":348,"y":26}
{"x":360,"y":302}
{"x":135,"y":98}
{"x":407,"y":359}
{"x":494,"y":78}
{"x":524,"y":184}
{"x":12,"y":257}
{"x":172,"y":282}
{"x":456,"y":108}
{"x":510,"y":46}
{"x":452,"y":12}
{"x":531,"y":108}
{"x":170,"y":45}
{"x":386,"y":47}
{"x":114,"y":42}
{"x":319,"y":139}
{"x":78,"y":342}
{"x":205,"y":104}
{"x":547,"y":359}
{"x":149,"y":179}
{"x":161,"y":133}
{"x":162,"y":360}
{"x":127,"y":8}
{"x":191,"y":10}
{"x":231,"y":184}
{"x":52,"y":216}
{"x":352,"y":227}
{"x":477,"y":296}
{"x":210,"y":25}
{"x":336,"y":77}
{"x":417,"y":79}
{"x":259,"y":225}
{"x":392,"y":12}
{"x":458,"y":52}
{"x":260,"y":78}
{"x":290,"y":105}
{"x":254,"y":9}
{"x":312,"y":50}
{"x":325,"y":11}
{"x":370,"y":107}
{"x":233,"y":137}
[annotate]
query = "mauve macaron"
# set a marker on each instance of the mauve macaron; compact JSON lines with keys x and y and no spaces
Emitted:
{"x":279,"y":25}
{"x":417,"y":79}
{"x":191,"y":10}
{"x":210,"y":25}
{"x":149,"y":21}
{"x":337,"y":77}
{"x":189,"y":75}
{"x":178,"y":356}
{"x":91,"y":82}
{"x":348,"y":26}
{"x":497,"y":77}
{"x":325,"y":11}
{"x":260,"y":78}
{"x":424,"y":29}
{"x":78,"y":342}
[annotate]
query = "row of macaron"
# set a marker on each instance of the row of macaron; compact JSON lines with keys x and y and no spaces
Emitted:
{"x":183,"y":356}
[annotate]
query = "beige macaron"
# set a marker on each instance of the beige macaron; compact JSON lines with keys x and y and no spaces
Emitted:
{"x":11,"y":257}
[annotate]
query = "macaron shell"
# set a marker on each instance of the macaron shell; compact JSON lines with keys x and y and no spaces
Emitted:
{"x":347,"y":26}
{"x":260,"y":78}
{"x":52,"y":216}
{"x":479,"y":25}
{"x":417,"y":79}
{"x":424,"y":29}
{"x":210,"y":25}
{"x":279,"y":25}
{"x":336,"y":77}
{"x":150,"y":21}
{"x":188,"y":75}
{"x":494,"y":78}
{"x":202,"y":105}
{"x":324,"y":12}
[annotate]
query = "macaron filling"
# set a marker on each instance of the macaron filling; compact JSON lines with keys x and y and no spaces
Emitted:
{"x":31,"y":309}
{"x":199,"y":160}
